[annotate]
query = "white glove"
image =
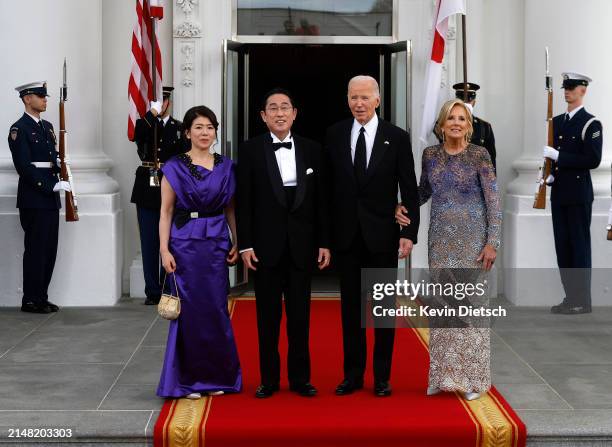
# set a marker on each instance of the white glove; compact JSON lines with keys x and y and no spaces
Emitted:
{"x":610,"y":215}
{"x":59,"y":162}
{"x":62,"y":186}
{"x":156,"y":107}
{"x":550,"y":152}
{"x":550,"y":179}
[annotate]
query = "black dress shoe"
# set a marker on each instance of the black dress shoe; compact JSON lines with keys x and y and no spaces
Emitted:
{"x":152,"y":300}
{"x":575,"y":310}
{"x":382,"y":389}
{"x":348,"y":386}
{"x":556,"y":309}
{"x":264,"y":391}
{"x":34,"y":308}
{"x":53,"y":307}
{"x":306,"y":389}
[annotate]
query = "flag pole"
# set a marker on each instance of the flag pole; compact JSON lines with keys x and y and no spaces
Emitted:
{"x":464,"y":41}
{"x":153,"y":177}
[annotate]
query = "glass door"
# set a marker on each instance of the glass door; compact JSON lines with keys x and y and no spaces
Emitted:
{"x":234,"y":122}
{"x":395,"y":85}
{"x":395,"y":95}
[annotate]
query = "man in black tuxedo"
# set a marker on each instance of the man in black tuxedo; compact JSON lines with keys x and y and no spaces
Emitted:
{"x":368,"y":159}
{"x":282,"y":231}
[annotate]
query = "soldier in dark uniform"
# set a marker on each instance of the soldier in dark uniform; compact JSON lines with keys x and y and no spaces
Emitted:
{"x":577,"y":150}
{"x":32,"y":143}
{"x":146,"y":195}
{"x":483,"y":132}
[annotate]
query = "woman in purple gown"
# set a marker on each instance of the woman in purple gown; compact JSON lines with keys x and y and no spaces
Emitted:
{"x":201,"y":356}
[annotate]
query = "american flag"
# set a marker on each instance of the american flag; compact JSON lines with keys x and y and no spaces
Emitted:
{"x":140,"y":87}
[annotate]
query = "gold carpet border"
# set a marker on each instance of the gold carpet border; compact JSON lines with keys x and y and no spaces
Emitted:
{"x":183,"y":430}
{"x":186,"y":423}
{"x":494,"y":427}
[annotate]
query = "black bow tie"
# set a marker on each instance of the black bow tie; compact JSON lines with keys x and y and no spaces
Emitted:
{"x":277,"y":146}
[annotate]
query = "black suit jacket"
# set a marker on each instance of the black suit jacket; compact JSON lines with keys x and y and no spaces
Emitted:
{"x":577,"y":156}
{"x":372,"y":208}
{"x":265,"y":221}
{"x":483,"y":136}
{"x":170,"y":142}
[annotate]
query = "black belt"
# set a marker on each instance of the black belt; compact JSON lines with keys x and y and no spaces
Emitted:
{"x":181,"y":216}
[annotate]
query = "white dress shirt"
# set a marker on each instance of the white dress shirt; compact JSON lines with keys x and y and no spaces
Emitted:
{"x":33,"y":117}
{"x":285,"y":158}
{"x":573,"y":112}
{"x":370,"y":134}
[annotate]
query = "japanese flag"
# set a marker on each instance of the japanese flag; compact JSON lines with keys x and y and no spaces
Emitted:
{"x":157,"y":8}
{"x":446,"y":8}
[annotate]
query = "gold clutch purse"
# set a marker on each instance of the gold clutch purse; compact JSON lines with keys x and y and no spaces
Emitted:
{"x":169,"y":306}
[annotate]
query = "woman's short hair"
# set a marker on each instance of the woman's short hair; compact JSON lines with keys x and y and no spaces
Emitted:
{"x":204,"y":112}
{"x":445,"y":111}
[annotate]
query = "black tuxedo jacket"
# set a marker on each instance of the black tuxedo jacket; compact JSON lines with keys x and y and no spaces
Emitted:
{"x":372,"y":208}
{"x":265,"y":221}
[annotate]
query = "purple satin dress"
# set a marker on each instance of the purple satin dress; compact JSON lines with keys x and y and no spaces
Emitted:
{"x":201,"y":353}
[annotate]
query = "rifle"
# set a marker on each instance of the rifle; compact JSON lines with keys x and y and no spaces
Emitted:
{"x":540,"y":195}
{"x":72,"y":212}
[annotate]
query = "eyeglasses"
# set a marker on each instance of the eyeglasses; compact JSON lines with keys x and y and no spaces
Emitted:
{"x":274,"y":109}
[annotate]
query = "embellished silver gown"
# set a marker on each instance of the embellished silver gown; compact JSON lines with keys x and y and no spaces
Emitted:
{"x":465,"y":215}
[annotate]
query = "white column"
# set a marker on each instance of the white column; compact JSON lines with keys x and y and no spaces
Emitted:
{"x":35,"y":42}
{"x":576,"y":37}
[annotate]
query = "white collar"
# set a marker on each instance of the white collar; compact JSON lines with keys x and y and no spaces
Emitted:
{"x":275,"y":139}
{"x":573,"y":112}
{"x":370,"y":127}
{"x":33,"y":117}
{"x":165,"y":120}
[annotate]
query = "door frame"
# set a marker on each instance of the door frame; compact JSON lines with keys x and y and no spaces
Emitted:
{"x":235,"y":44}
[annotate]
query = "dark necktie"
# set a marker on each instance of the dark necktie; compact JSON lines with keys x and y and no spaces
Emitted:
{"x":360,"y":162}
{"x":277,"y":146}
{"x":567,"y":118}
{"x":43,"y":130}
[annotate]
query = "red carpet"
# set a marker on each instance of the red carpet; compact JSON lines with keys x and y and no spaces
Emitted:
{"x":407,"y":418}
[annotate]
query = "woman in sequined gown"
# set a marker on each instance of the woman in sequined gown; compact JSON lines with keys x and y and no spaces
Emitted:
{"x":464,"y":235}
{"x":201,"y":356}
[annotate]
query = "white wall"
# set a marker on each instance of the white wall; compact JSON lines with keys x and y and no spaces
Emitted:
{"x":41,"y":34}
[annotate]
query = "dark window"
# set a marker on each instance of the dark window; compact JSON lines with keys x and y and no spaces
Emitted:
{"x":315,"y":17}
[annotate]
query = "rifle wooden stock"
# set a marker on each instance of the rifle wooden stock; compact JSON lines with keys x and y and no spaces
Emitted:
{"x":540,"y":196}
{"x":72,"y":212}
